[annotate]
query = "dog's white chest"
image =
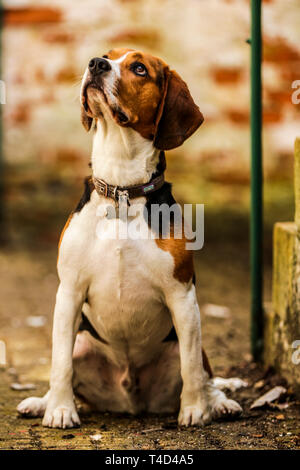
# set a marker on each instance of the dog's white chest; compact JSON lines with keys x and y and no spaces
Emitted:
{"x":121,"y":275}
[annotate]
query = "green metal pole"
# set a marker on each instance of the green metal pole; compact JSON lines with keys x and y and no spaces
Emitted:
{"x":256,"y":223}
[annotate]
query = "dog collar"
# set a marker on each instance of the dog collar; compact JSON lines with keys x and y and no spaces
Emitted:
{"x":132,"y":192}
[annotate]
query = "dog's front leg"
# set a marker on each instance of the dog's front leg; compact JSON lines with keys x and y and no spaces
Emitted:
{"x":182,"y":302}
{"x":61,"y":411}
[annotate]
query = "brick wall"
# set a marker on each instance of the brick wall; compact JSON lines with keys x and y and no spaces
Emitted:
{"x":47,"y":45}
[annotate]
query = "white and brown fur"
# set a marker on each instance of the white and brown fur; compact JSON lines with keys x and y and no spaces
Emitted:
{"x":122,"y":353}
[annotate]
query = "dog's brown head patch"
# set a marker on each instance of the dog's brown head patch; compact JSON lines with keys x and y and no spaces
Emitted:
{"x":142,"y":93}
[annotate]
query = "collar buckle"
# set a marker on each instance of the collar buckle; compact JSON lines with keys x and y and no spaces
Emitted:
{"x":123,"y":197}
{"x":103,"y":187}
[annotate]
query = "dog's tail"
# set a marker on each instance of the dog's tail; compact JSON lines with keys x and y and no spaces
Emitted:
{"x":128,"y":379}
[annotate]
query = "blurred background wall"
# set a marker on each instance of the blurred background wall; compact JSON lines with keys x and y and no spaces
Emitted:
{"x":47,"y":45}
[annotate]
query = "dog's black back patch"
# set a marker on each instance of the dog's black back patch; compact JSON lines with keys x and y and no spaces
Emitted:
{"x":88,"y":189}
{"x":162,"y":196}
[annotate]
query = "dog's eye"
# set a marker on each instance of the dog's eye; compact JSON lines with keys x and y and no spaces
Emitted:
{"x":105,"y":56}
{"x":139,"y":69}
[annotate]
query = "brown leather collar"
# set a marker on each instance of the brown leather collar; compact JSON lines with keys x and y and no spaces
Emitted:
{"x":139,"y":190}
{"x":134,"y":191}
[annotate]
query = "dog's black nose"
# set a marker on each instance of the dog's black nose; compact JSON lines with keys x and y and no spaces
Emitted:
{"x":99,"y":65}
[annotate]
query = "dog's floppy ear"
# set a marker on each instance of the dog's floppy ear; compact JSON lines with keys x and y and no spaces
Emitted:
{"x":178,"y":116}
{"x":85,"y":119}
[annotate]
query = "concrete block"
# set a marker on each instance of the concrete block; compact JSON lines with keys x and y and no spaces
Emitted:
{"x":282,"y":321}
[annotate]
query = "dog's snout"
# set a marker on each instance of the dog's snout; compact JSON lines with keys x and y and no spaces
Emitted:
{"x":99,"y":65}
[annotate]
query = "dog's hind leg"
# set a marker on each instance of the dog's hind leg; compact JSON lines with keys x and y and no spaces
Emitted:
{"x":219,"y":403}
{"x":98,"y":381}
{"x":231,"y":384}
{"x":33,"y":406}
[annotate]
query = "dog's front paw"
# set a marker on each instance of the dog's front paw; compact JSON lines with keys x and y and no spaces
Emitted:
{"x":62,"y":416}
{"x":194,"y":415}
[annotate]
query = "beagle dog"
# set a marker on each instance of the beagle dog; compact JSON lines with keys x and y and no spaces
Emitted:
{"x":126,"y":331}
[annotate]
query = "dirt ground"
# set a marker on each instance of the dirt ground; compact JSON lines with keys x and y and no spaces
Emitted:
{"x":222,"y":278}
{"x":37,"y":206}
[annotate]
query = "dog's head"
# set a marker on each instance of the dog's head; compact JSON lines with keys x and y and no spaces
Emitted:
{"x":141,"y":92}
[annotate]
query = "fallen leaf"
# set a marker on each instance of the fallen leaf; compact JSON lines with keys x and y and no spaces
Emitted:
{"x":279,"y":406}
{"x":96,"y":437}
{"x":280,"y":417}
{"x":272,"y":395}
{"x":20,"y":387}
{"x":259,"y":384}
{"x":35,"y":321}
{"x":216,"y":311}
{"x":259,"y":436}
